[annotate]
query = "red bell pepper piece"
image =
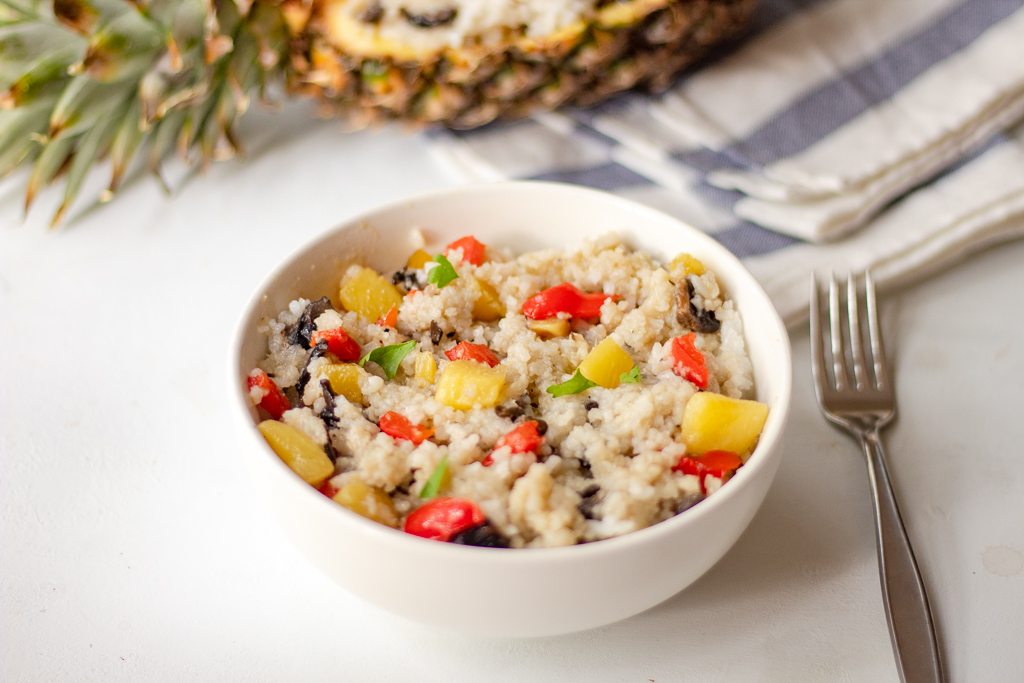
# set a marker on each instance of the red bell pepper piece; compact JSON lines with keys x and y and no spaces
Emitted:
{"x":688,"y":362}
{"x":340,"y":344}
{"x":523,"y":438}
{"x":442,"y":518}
{"x":716,"y":463}
{"x":472,"y":250}
{"x":397,"y":425}
{"x":389,"y":319}
{"x":475,"y":352}
{"x":327,"y":488}
{"x":565,"y":298}
{"x":273,"y":401}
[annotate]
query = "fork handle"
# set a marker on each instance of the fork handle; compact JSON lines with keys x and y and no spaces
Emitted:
{"x":906,"y":603}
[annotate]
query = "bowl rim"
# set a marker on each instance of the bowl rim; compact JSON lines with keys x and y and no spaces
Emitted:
{"x":778,"y":415}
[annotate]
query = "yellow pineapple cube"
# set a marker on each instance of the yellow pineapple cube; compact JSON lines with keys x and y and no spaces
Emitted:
{"x":426,"y":368}
{"x":368,"y":294}
{"x":691,"y":265}
{"x":488,"y":306}
{"x":549,"y":328}
{"x":418,"y":259}
{"x":605,"y":364}
{"x":369,"y":501}
{"x":344,"y":380}
{"x":297,"y":451}
{"x":712,"y":422}
{"x":465,"y":383}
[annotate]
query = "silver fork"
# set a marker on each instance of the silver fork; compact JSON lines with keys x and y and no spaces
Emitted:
{"x":863,"y":407}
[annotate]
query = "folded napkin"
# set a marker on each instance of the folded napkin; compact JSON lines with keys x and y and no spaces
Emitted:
{"x":827,"y":114}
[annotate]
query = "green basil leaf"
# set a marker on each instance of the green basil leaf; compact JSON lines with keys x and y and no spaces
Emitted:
{"x":443,"y":273}
{"x":631,"y":377}
{"x":433,"y":485}
{"x":577,"y":385}
{"x":389,"y":357}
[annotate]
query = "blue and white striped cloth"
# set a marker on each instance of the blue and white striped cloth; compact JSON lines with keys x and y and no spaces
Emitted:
{"x":838,"y":134}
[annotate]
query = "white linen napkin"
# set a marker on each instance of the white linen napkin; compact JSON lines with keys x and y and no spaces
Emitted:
{"x":828,"y":113}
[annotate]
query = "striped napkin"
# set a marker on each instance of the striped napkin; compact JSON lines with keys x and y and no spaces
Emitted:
{"x":839,"y":134}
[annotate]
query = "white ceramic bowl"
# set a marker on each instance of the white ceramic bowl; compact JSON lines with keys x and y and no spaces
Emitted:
{"x":529,"y":592}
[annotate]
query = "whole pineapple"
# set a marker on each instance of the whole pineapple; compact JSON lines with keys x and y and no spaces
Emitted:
{"x":84,"y":79}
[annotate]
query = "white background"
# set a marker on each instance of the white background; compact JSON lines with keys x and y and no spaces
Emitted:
{"x":132,"y":548}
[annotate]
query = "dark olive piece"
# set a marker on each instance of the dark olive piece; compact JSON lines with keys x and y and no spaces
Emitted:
{"x":509,"y":412}
{"x":688,"y":314}
{"x":373,"y":13}
{"x":590,"y":501}
{"x":445,"y":16}
{"x":327,"y":414}
{"x":542,"y":427}
{"x":303,"y":330}
{"x":482,"y":536}
{"x":319,"y":350}
{"x":435,"y":332}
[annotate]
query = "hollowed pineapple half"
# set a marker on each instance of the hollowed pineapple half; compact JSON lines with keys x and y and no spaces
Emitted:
{"x":464,"y":63}
{"x":81,"y":80}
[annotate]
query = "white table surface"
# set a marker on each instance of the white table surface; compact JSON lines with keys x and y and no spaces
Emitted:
{"x":132,"y":549}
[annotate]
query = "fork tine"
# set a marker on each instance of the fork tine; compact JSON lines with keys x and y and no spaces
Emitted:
{"x":874,"y":332}
{"x":817,"y":346}
{"x":838,"y":356}
{"x":853,"y":309}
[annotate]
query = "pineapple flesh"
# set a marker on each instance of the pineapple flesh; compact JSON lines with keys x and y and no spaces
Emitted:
{"x":81,"y":80}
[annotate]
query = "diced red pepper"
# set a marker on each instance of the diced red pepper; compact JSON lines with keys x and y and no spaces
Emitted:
{"x":442,"y":518}
{"x":475,"y":352}
{"x":565,"y":298}
{"x":411,"y":292}
{"x":397,"y":425}
{"x":523,"y":438}
{"x":340,"y":344}
{"x":688,"y":362}
{"x":472,"y":250}
{"x":389,"y":319}
{"x":273,"y":401}
{"x":327,"y":488}
{"x":716,"y":463}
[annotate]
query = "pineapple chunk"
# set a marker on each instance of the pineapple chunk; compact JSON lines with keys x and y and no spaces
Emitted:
{"x":344,"y":380}
{"x":368,"y":294}
{"x":488,"y":306}
{"x":549,"y":327}
{"x":418,"y":259}
{"x":713,"y":422}
{"x":465,"y":383}
{"x":605,"y":364}
{"x":426,"y":368}
{"x":369,"y":501}
{"x":297,"y":451}
{"x":690,"y":264}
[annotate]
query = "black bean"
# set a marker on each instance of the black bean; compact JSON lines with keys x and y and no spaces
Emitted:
{"x":482,"y":536}
{"x":590,"y":405}
{"x":440,"y":18}
{"x":542,"y":427}
{"x":435,"y":332}
{"x":451,"y":334}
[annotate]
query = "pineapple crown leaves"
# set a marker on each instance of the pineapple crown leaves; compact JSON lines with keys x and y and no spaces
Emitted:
{"x":81,"y":80}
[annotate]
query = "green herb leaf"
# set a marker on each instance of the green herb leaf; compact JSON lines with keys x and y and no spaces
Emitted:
{"x":433,"y":485}
{"x":577,"y":385}
{"x":631,"y":377}
{"x":443,"y":273}
{"x":389,"y":357}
